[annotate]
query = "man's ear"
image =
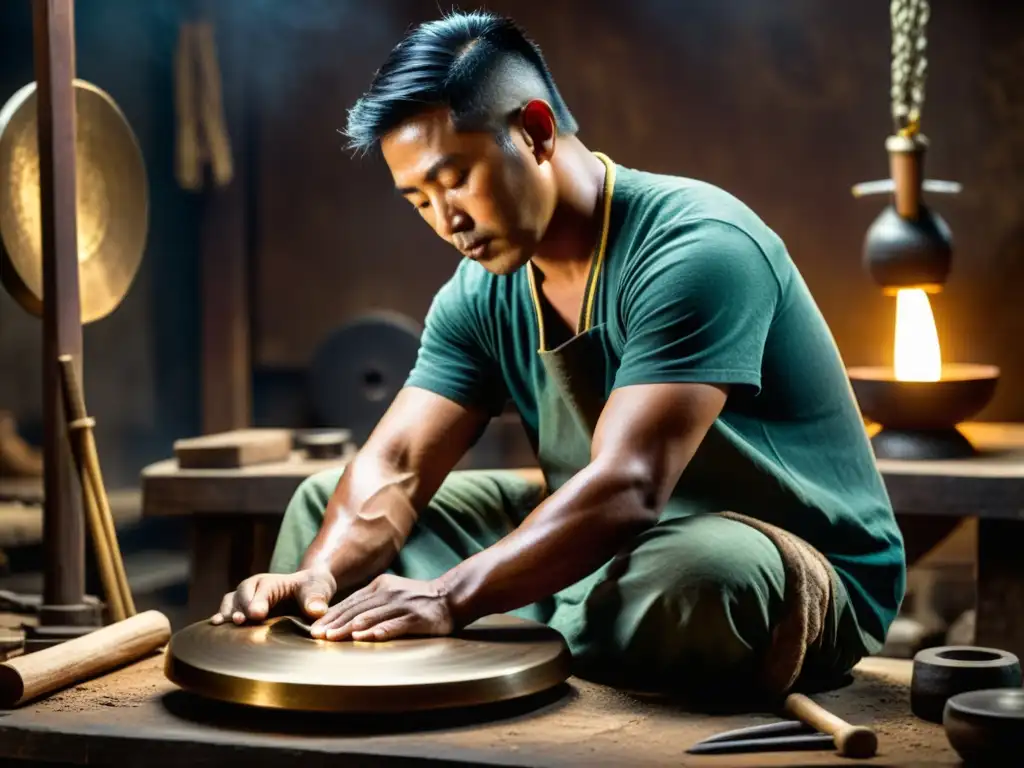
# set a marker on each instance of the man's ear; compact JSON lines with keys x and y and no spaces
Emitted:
{"x":537,"y":121}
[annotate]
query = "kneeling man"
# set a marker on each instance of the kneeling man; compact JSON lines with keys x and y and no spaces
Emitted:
{"x":709,"y":512}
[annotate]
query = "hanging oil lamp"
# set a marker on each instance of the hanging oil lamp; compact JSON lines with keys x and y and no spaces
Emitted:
{"x":919,"y":400}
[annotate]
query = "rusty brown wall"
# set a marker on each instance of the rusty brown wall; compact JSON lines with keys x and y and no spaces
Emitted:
{"x":785,"y":104}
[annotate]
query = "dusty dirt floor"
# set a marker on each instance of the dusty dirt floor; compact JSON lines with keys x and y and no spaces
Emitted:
{"x":136,"y":716}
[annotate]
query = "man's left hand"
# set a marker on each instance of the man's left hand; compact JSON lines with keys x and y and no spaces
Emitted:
{"x":389,"y":607}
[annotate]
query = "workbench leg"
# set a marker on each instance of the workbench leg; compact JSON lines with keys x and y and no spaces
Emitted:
{"x":210,"y":569}
{"x":264,"y":537}
{"x":226,"y":549}
{"x":1000,"y":585}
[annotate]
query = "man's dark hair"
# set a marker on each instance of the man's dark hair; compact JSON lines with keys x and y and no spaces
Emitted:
{"x":481,"y":66}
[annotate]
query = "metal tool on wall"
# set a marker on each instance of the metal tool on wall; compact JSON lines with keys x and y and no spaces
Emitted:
{"x":73,"y":224}
{"x":202,"y":136}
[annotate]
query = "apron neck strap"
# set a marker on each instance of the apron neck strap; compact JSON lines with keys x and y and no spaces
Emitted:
{"x":587,"y":307}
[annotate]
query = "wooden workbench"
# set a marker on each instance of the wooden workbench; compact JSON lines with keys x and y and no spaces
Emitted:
{"x":990,"y":487}
{"x":135,"y":717}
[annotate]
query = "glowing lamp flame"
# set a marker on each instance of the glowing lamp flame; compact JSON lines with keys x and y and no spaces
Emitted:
{"x":917,"y":354}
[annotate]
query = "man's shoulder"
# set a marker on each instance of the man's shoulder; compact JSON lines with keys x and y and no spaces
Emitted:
{"x":660,"y":200}
{"x":676,"y":217}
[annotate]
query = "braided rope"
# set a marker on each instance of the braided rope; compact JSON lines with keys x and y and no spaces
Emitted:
{"x":908,"y":18}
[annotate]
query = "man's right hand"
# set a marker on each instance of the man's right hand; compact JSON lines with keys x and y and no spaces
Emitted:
{"x":257,"y":595}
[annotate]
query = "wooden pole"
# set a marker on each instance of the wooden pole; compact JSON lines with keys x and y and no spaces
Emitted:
{"x":83,"y":447}
{"x":64,"y":609}
{"x":224,"y":240}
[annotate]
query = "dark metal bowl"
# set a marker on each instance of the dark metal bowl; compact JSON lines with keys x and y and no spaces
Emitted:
{"x":943,"y":672}
{"x":986,"y":727}
{"x":919,"y":418}
{"x":963,"y":391}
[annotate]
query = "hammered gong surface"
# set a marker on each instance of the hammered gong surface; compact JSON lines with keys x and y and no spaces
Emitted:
{"x":358,"y":370}
{"x":112,"y":201}
{"x":278,"y":665}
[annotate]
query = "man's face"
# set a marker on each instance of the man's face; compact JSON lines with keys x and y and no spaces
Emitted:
{"x":493,"y":205}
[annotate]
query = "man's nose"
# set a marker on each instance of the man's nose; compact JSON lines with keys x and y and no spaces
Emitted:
{"x":452,"y":220}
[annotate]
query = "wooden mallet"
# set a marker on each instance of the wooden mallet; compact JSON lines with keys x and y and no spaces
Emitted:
{"x":851,"y":740}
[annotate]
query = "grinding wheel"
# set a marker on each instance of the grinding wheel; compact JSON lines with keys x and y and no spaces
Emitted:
{"x":112,"y":201}
{"x":278,"y":665}
{"x":359,"y":369}
{"x":945,"y":671}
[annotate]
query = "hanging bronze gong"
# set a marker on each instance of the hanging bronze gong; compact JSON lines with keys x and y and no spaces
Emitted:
{"x":112,"y":201}
{"x":278,"y":665}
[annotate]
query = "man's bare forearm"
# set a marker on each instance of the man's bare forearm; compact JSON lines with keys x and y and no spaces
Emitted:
{"x":570,"y":535}
{"x":367,"y":520}
{"x":376,"y":502}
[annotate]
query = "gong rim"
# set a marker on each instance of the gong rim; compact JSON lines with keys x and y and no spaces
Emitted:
{"x":112,"y":201}
{"x":545,"y":662}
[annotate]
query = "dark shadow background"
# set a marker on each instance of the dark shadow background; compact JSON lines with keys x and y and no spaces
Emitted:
{"x":785,"y":104}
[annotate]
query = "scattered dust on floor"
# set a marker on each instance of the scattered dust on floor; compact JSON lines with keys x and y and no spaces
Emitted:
{"x":130,"y":686}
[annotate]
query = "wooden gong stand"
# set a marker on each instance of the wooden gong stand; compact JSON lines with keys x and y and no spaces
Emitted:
{"x":64,"y":613}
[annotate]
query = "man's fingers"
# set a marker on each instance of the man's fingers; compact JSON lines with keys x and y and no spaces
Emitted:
{"x":243,"y":598}
{"x":227,"y":607}
{"x":365,"y":620}
{"x":262,"y":599}
{"x":354,"y":599}
{"x":345,"y":611}
{"x":314,"y":597}
{"x":387,"y":630}
{"x":336,"y":610}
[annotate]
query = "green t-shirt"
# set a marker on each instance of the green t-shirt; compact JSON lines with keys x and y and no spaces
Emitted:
{"x":694,"y":287}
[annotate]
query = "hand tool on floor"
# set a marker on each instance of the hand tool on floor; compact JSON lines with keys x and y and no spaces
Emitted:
{"x":813,"y":727}
{"x":28,"y":677}
{"x":785,"y":736}
{"x":94,"y":496}
{"x":850,"y":740}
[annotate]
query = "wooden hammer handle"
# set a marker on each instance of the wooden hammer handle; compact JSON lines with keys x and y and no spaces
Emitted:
{"x":28,"y":677}
{"x":850,"y":740}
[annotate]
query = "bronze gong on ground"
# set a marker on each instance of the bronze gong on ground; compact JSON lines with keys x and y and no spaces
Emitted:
{"x":112,"y":201}
{"x":278,"y":665}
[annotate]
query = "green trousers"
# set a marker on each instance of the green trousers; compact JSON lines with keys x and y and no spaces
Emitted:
{"x":689,"y":605}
